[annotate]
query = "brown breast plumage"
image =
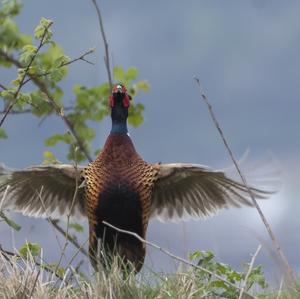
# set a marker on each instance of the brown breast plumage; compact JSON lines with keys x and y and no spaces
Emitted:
{"x":118,"y":190}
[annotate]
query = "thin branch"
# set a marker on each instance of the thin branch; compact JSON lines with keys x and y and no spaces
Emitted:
{"x":284,"y":260}
{"x":59,"y":110}
{"x":67,"y":236}
{"x":70,"y":238}
{"x":81,"y":57}
{"x":25,"y":74}
{"x":55,"y":225}
{"x":178,"y":258}
{"x":106,"y":57}
{"x":77,"y":252}
{"x":249,"y":271}
{"x":27,"y":111}
{"x":3,"y":87}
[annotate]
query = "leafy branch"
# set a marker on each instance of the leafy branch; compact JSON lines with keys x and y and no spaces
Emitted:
{"x":34,"y":51}
{"x":65,"y":63}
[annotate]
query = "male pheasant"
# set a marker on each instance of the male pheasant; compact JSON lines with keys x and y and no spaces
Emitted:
{"x":119,"y":187}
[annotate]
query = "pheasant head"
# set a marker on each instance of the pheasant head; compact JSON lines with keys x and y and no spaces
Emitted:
{"x":119,"y":102}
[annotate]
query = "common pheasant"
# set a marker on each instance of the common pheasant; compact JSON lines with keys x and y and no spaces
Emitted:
{"x":121,"y":189}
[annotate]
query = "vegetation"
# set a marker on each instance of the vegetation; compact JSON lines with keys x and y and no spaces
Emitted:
{"x":21,"y":278}
{"x":41,"y":66}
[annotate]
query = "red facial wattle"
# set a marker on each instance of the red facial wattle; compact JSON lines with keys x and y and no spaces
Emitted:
{"x":126,"y":100}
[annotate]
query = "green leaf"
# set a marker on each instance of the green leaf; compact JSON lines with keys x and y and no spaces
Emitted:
{"x":29,"y":248}
{"x":10,"y":36}
{"x":49,"y":158}
{"x":131,"y":74}
{"x":10,"y":8}
{"x":53,"y":140}
{"x":25,"y":97}
{"x":57,"y":74}
{"x":60,"y":271}
{"x":119,"y":74}
{"x":143,"y":85}
{"x":9,"y":221}
{"x":2,"y":134}
{"x":135,"y":117}
{"x":218,"y":284}
{"x":39,"y":31}
{"x":61,"y":60}
{"x":77,"y":227}
{"x":8,"y":94}
{"x":27,"y":53}
{"x":30,"y":49}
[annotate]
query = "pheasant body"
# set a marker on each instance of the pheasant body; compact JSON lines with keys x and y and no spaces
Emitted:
{"x":119,"y":190}
{"x":123,"y":190}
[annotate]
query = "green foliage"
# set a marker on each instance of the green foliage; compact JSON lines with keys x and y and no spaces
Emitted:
{"x":206,"y":260}
{"x":77,"y":227}
{"x":49,"y":158}
{"x":2,"y":134}
{"x":60,"y":271}
{"x":30,"y":249}
{"x":42,"y":30}
{"x":10,"y":36}
{"x":43,"y":62}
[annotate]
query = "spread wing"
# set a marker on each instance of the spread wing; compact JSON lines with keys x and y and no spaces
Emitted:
{"x":193,"y":191}
{"x":43,"y":191}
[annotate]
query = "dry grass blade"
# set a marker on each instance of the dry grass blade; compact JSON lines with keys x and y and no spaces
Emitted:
{"x":174,"y":256}
{"x":8,"y":255}
{"x":285,"y":263}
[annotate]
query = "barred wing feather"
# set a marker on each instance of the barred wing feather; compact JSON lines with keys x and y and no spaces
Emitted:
{"x":43,"y":191}
{"x":192,"y":191}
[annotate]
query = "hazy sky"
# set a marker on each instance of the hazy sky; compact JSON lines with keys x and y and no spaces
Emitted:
{"x":246,"y":54}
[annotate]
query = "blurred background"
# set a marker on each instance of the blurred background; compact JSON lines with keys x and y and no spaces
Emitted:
{"x":246,"y":54}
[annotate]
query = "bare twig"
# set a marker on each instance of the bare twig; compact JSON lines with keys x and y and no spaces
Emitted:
{"x":27,"y":111}
{"x":106,"y":57}
{"x":77,"y":252}
{"x":284,"y":260}
{"x":242,"y":291}
{"x":25,"y":74}
{"x":178,"y":258}
{"x":71,"y":239}
{"x":81,"y":57}
{"x":67,"y":237}
{"x":59,"y":110}
{"x":2,"y":86}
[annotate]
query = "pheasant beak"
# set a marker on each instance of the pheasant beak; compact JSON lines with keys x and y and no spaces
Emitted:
{"x":118,"y":89}
{"x":119,"y":92}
